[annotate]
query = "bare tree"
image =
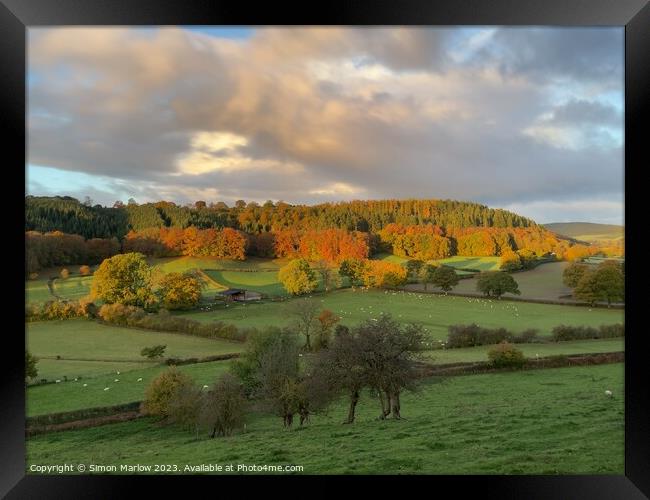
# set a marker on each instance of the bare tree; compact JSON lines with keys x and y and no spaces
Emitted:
{"x":305,"y":313}
{"x":387,"y":354}
{"x":224,"y":406}
{"x":341,"y":369}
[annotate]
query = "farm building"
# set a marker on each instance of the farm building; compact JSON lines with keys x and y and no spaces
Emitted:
{"x":239,"y":295}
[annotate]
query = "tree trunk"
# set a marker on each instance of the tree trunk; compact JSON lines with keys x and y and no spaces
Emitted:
{"x":354,"y":399}
{"x":395,"y":406}
{"x":383,"y":406}
{"x":308,"y":343}
{"x":288,"y":420}
{"x":214,"y":431}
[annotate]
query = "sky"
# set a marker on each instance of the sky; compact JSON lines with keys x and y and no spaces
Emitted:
{"x":529,"y":119}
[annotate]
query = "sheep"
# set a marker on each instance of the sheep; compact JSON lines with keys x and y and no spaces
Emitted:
{"x":140,"y":379}
{"x":608,"y":393}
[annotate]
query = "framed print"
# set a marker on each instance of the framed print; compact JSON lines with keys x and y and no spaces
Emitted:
{"x":368,"y":243}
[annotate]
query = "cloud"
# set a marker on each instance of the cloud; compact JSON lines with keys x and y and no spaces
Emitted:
{"x":307,"y":114}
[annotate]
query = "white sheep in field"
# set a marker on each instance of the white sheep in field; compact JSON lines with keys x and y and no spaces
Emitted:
{"x":140,"y":379}
{"x":106,"y":388}
{"x":608,"y":393}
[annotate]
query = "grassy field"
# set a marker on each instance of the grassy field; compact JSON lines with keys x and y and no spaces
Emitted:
{"x":265,"y":282}
{"x":104,"y":348}
{"x":587,"y":231}
{"x":37,"y":291}
{"x":88,"y":392}
{"x":182,"y":264}
{"x":435,"y":312}
{"x":555,"y":421}
{"x":542,"y":282}
{"x":461,"y":263}
{"x":479,"y":353}
{"x":458,"y":262}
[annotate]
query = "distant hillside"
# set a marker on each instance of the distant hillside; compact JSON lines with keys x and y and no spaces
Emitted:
{"x":587,"y":231}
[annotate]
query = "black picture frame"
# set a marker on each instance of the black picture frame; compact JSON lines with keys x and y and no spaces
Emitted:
{"x":17,"y":15}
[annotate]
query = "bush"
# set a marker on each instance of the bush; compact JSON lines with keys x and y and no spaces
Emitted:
{"x":153,"y":352}
{"x":33,"y":276}
{"x":611,"y":331}
{"x":224,"y":408}
{"x":473,"y":335}
{"x":59,"y":309}
{"x":565,"y":332}
{"x":65,"y":274}
{"x":164,"y":321}
{"x":505,"y":355}
{"x":161,"y":389}
{"x":85,"y":271}
{"x":526,"y":337}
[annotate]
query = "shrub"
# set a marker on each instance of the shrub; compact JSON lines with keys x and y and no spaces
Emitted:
{"x":224,"y":407}
{"x":59,"y":309}
{"x":527,"y":336}
{"x":85,"y":271}
{"x":473,"y":335}
{"x":161,"y":389}
{"x":153,"y":352}
{"x":611,"y":331}
{"x":185,"y":406}
{"x":163,"y":321}
{"x":566,"y":332}
{"x":33,"y":276}
{"x":65,"y":274}
{"x":505,"y":355}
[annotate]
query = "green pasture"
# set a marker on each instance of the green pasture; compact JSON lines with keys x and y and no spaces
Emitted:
{"x":104,"y":348}
{"x":265,"y":282}
{"x":89,"y":392}
{"x":183,"y":264}
{"x":435,"y":312}
{"x":461,"y":263}
{"x":553,"y":421}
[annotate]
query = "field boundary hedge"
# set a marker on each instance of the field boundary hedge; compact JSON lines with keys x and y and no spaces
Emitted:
{"x":91,"y":417}
{"x":556,"y":361}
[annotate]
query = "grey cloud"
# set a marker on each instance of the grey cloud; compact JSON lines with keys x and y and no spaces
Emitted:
{"x":150,"y":92}
{"x":577,"y":112}
{"x":582,"y":54}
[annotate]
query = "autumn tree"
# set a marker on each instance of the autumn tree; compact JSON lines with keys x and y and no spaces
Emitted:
{"x":573,"y":273}
{"x":510,"y":261}
{"x":179,"y":291}
{"x":414,"y":267}
{"x":331,"y":279}
{"x":305,"y":313}
{"x":298,"y":277}
{"x":328,"y":321}
{"x":85,"y":270}
{"x":496,"y":283}
{"x":445,"y":278}
{"x":124,"y":279}
{"x":352,"y":269}
{"x":160,"y":391}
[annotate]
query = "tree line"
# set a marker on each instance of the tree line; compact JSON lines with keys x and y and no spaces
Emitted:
{"x":66,"y":214}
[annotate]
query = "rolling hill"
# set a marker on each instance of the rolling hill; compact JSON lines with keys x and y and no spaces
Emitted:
{"x":587,"y":231}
